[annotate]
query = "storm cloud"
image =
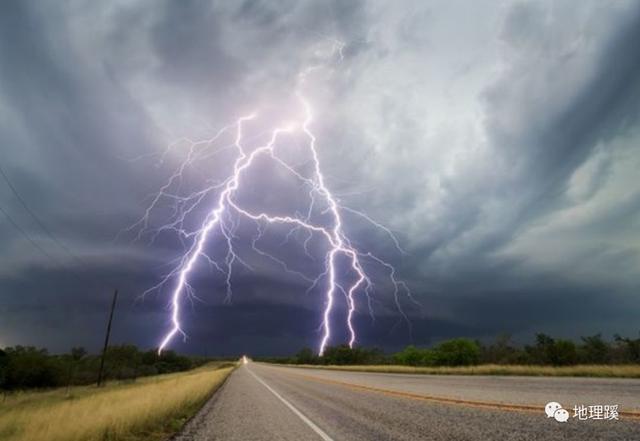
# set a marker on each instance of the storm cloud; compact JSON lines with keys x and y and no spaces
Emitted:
{"x":499,"y":143}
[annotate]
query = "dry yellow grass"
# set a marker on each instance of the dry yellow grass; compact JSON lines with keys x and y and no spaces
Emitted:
{"x":619,"y":371}
{"x":148,"y":409}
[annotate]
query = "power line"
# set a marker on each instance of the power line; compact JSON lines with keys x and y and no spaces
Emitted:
{"x":35,"y":217}
{"x":38,"y":247}
{"x":25,"y":234}
{"x":49,"y":256}
{"x":44,"y":228}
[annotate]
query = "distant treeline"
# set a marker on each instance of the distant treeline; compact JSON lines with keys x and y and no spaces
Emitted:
{"x":29,"y":367}
{"x":464,"y":352}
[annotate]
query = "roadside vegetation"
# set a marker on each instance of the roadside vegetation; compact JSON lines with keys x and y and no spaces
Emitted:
{"x":28,"y":367}
{"x":591,"y":356}
{"x":588,"y":370}
{"x":148,"y":409}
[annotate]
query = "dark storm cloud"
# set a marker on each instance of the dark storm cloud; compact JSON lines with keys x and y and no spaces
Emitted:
{"x":187,"y":38}
{"x":500,"y":143}
{"x":541,"y":144}
{"x":70,"y":121}
{"x":562,"y":137}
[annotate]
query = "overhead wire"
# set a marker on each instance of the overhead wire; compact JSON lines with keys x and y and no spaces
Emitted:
{"x":37,"y":219}
{"x":25,"y":234}
{"x":43,"y":227}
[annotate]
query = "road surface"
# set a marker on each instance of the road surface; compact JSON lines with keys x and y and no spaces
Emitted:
{"x":266,"y":402}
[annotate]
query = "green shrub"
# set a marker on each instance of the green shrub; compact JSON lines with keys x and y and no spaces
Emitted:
{"x":410,"y":356}
{"x":457,"y":352}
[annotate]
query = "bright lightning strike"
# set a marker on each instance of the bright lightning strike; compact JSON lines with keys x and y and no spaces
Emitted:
{"x":224,"y":216}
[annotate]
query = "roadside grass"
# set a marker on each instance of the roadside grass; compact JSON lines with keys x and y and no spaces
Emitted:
{"x":149,"y":409}
{"x":603,"y":371}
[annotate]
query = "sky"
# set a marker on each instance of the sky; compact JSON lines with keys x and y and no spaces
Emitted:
{"x":498,"y":141}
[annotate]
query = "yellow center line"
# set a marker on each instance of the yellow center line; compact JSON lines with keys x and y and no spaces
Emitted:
{"x":440,"y":399}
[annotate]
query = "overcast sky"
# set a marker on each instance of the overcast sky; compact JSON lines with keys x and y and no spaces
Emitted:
{"x":498,"y":140}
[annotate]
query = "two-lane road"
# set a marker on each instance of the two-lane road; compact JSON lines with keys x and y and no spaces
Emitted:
{"x":266,"y":402}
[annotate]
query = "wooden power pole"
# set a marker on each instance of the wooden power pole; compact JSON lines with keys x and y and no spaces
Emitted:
{"x":106,"y":337}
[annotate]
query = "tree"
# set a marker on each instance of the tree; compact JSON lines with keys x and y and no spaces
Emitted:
{"x":4,"y":361}
{"x":631,"y":348}
{"x":555,"y":352}
{"x":410,"y":356}
{"x":343,"y":354}
{"x":457,"y":352}
{"x":502,"y":351}
{"x":169,"y":361}
{"x":306,"y":356}
{"x":542,"y":352}
{"x":122,"y":361}
{"x":594,"y":349}
{"x":564,"y":353}
{"x":74,"y":358}
{"x":78,"y":353}
{"x":29,"y":367}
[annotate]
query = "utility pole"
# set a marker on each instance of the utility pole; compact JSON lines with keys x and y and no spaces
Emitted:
{"x":106,"y":337}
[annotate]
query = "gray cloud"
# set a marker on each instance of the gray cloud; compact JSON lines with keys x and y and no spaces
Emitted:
{"x":500,"y":143}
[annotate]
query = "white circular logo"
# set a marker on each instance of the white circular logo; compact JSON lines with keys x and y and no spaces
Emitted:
{"x":551,"y":408}
{"x":561,"y":415}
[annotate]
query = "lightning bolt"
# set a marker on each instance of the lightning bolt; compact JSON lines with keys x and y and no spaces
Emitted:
{"x":224,"y":218}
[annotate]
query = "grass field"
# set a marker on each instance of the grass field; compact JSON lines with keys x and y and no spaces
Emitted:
{"x":610,"y":371}
{"x":149,"y":409}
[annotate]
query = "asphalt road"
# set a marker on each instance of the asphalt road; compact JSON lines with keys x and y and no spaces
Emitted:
{"x":266,"y":402}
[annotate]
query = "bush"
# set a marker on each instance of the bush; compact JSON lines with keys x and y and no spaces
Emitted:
{"x":462,"y":352}
{"x":502,"y":351}
{"x":564,"y":353}
{"x":410,"y":356}
{"x":554,"y":352}
{"x":29,"y":367}
{"x":457,"y":352}
{"x":306,"y":356}
{"x":343,"y":354}
{"x":4,"y":361}
{"x":594,"y":350}
{"x":630,"y":348}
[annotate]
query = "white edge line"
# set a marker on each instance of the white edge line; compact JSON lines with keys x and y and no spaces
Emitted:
{"x":309,"y":423}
